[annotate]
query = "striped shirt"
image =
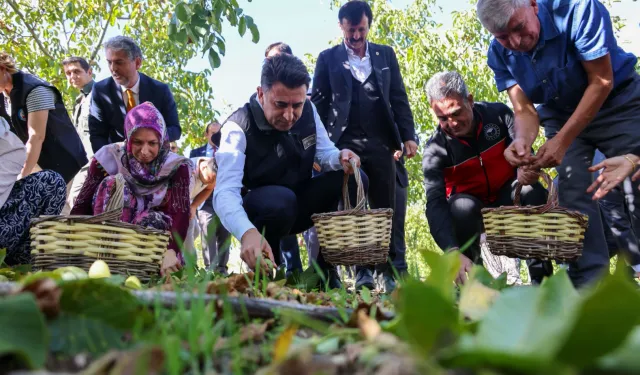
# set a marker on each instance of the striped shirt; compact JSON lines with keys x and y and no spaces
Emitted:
{"x":41,"y":98}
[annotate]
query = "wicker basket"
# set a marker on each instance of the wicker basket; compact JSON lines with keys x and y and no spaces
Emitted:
{"x":355,"y":236}
{"x":535,"y":232}
{"x":59,"y":241}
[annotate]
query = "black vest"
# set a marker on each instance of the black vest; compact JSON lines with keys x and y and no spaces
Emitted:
{"x":62,"y":150}
{"x":366,"y":115}
{"x":274,"y":157}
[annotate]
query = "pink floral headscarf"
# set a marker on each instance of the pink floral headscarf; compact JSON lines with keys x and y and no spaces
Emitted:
{"x":148,"y":182}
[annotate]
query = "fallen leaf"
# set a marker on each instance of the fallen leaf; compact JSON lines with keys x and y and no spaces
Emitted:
{"x":283,"y":342}
{"x":369,"y":328}
{"x":476,"y":299}
{"x":47,"y":295}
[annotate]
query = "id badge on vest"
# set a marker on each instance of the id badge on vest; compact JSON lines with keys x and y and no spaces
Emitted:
{"x":309,"y":141}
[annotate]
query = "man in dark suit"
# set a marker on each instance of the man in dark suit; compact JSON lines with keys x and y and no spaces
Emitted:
{"x":113,"y":97}
{"x":361,"y":99}
{"x":215,"y":237}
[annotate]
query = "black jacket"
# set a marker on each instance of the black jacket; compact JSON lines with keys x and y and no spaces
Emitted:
{"x":331,"y":92}
{"x":108,"y":110}
{"x":454,"y":166}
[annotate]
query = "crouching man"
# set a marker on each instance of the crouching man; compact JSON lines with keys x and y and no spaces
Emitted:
{"x":465,"y":170}
{"x":265,"y":189}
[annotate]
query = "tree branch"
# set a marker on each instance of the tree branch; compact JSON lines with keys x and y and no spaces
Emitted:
{"x":104,"y":31}
{"x":75,"y":20}
{"x":15,"y":8}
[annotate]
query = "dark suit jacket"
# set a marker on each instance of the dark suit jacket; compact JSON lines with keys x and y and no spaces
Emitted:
{"x":198,"y":152}
{"x":107,"y":113}
{"x":332,"y":88}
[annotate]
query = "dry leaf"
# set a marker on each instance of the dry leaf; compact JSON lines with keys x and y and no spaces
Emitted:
{"x":369,"y":328}
{"x":283,"y":342}
{"x":47,"y":296}
{"x":476,"y":299}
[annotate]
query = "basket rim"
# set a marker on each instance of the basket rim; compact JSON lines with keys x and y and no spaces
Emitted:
{"x":88,"y":219}
{"x":583,"y":220}
{"x":375,"y":211}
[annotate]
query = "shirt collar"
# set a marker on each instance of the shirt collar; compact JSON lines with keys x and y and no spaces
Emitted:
{"x":87,"y":88}
{"x":351,"y":53}
{"x":135,"y":89}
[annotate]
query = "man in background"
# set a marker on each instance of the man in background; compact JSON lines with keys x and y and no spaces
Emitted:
{"x":80,"y":76}
{"x":113,"y":97}
{"x":362,"y":102}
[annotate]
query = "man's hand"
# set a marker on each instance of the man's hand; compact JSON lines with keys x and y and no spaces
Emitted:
{"x":170,"y":263}
{"x":410,"y":148}
{"x":397,"y":155}
{"x":465,"y":267}
{"x":527,"y":176}
{"x":192,"y":212}
{"x":551,"y":153}
{"x":615,"y":170}
{"x":518,"y":153}
{"x":345,"y":156}
{"x":254,"y":247}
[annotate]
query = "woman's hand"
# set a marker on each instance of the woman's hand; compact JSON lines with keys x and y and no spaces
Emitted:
{"x":170,"y":263}
{"x":193,"y":211}
{"x":615,"y":170}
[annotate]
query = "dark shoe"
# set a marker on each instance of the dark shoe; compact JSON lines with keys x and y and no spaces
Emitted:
{"x":389,"y":283}
{"x":364,"y":278}
{"x":332,"y":280}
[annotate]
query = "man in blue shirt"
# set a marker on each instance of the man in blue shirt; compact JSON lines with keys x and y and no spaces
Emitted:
{"x":563,"y":55}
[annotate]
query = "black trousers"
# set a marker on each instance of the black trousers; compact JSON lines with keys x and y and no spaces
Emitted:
{"x":379,"y":165}
{"x":277,"y":211}
{"x":467,"y":221}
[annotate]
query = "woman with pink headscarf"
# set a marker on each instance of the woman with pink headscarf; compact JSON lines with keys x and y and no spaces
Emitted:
{"x":156,"y":188}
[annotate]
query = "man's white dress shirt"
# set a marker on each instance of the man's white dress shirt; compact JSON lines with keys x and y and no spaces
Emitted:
{"x":360,"y":67}
{"x":227,"y":201}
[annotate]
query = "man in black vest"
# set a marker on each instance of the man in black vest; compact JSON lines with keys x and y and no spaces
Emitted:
{"x":265,"y":164}
{"x":361,"y":99}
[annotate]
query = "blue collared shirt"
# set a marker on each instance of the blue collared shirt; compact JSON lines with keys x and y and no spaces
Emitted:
{"x":571,"y":31}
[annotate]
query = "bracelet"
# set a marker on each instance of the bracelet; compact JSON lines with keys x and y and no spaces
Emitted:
{"x":633,"y":164}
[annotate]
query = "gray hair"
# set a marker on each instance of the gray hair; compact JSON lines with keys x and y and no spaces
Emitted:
{"x":124,"y":43}
{"x":494,"y":15}
{"x":445,"y":85}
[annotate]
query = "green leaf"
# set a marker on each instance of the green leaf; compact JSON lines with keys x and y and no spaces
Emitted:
{"x":242,"y":26}
{"x":182,"y":12}
{"x":103,"y":301}
{"x":221,"y":46}
{"x":515,"y":333}
{"x":255,"y":34}
{"x":476,"y":299}
{"x":181,"y":37}
{"x":617,"y":302}
{"x":625,"y":358}
{"x":214,"y":59}
{"x":3,"y":254}
{"x":444,"y":269}
{"x":366,"y":295}
{"x":426,"y":315}
{"x":74,"y":334}
{"x":24,"y":333}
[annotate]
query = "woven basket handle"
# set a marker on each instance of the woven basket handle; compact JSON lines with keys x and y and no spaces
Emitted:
{"x":552,"y":199}
{"x":345,"y":190}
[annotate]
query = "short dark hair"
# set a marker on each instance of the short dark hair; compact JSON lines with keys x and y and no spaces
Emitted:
{"x":280,"y":46}
{"x":75,"y":59}
{"x":206,"y":128}
{"x":286,"y":69}
{"x":353,"y":10}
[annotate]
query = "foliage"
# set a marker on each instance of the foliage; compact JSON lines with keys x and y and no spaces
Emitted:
{"x":170,"y":33}
{"x":492,"y":327}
